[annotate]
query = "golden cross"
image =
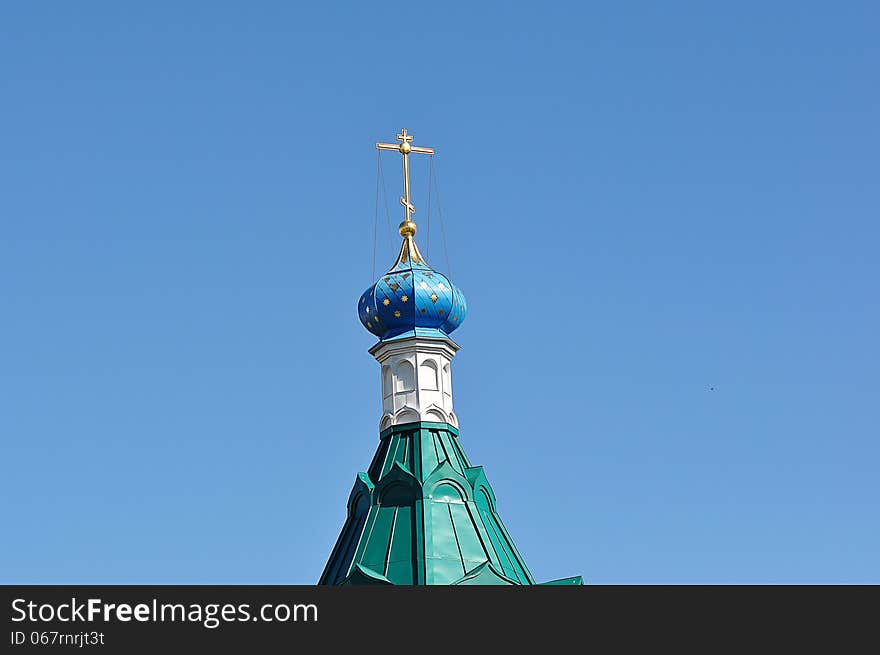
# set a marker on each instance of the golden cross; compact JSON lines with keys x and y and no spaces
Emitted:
{"x":405,"y":149}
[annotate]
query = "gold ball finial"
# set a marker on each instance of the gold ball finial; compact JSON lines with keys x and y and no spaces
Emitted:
{"x":407,"y":229}
{"x":405,"y":148}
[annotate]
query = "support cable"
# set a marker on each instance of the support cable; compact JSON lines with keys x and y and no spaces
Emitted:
{"x":387,"y":210}
{"x":376,"y":217}
{"x":442,"y":222}
{"x":428,"y":221}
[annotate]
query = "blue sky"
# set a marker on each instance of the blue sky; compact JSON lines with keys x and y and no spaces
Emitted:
{"x":642,"y":201}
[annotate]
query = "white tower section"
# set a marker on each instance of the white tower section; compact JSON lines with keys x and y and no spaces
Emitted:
{"x":416,"y":380}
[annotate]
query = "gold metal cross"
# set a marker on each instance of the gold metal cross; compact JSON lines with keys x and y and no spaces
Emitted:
{"x":405,"y":149}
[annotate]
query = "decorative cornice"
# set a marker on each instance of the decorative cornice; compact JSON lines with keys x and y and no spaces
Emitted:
{"x":418,"y":425}
{"x":382,"y":350}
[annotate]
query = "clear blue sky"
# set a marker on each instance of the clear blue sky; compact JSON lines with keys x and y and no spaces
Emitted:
{"x":641,"y":201}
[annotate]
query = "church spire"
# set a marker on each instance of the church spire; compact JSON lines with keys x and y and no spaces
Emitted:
{"x":422,"y":514}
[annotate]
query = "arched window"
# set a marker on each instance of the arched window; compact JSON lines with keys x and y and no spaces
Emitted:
{"x":404,"y":377}
{"x":428,"y":375}
{"x":387,"y":389}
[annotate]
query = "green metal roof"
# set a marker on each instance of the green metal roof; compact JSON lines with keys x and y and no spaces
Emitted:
{"x":422,"y":515}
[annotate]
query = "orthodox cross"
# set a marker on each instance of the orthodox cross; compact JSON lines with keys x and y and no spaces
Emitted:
{"x":404,"y":148}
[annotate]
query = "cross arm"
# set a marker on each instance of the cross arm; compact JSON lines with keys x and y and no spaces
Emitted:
{"x":396,"y":146}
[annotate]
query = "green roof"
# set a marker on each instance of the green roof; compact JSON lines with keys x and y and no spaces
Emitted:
{"x":422,"y":515}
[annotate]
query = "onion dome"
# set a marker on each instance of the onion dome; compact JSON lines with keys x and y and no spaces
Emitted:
{"x":411,"y":299}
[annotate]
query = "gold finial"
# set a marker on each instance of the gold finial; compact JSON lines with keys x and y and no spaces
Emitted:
{"x":407,"y":227}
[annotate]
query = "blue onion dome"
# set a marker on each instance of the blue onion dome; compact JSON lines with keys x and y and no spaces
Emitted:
{"x":411,"y":299}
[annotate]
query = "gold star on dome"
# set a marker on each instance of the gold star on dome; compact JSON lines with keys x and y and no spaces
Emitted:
{"x":368,"y":310}
{"x":397,"y":314}
{"x":455,"y":318}
{"x":433,"y":297}
{"x":369,"y":325}
{"x":386,"y":302}
{"x":423,"y":284}
{"x":404,"y":298}
{"x":441,"y":312}
{"x":423,"y":310}
{"x":441,"y":286}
